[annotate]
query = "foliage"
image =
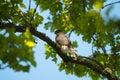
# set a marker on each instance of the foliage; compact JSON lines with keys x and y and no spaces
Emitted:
{"x":14,"y":52}
{"x":83,"y":17}
{"x":75,"y":69}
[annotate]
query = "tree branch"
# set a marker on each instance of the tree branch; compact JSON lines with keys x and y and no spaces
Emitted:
{"x":42,"y":36}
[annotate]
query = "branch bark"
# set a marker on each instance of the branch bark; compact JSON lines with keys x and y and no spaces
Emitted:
{"x":80,"y":61}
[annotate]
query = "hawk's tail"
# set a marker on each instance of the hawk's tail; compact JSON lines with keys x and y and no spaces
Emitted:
{"x":73,"y":51}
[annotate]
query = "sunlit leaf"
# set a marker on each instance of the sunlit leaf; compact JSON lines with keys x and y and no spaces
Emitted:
{"x":98,"y":5}
{"x":30,"y":43}
{"x":27,"y":33}
{"x":102,"y":62}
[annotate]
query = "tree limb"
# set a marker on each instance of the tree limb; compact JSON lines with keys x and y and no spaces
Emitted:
{"x":65,"y":58}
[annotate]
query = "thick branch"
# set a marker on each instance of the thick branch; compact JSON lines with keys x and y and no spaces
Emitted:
{"x":45,"y":38}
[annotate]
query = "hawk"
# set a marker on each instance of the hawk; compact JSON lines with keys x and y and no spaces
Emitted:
{"x":64,"y":42}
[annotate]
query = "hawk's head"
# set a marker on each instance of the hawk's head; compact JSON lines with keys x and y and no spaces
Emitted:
{"x":58,"y":31}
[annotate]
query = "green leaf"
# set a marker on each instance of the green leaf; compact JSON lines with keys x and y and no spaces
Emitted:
{"x":61,"y":66}
{"x":68,"y":67}
{"x":74,"y":44}
{"x":22,"y":5}
{"x":94,"y":75}
{"x":50,"y":53}
{"x":37,"y":20}
{"x":79,"y":70}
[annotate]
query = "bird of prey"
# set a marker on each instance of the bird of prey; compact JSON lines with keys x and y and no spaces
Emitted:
{"x":64,"y":42}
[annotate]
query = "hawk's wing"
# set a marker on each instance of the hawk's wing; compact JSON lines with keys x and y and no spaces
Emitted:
{"x":62,"y":40}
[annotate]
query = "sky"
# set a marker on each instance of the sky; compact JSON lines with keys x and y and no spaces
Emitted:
{"x":46,"y":69}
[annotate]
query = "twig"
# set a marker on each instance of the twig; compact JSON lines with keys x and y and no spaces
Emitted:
{"x":93,"y":42}
{"x":110,"y":4}
{"x":3,"y":67}
{"x":29,"y":5}
{"x":84,"y":5}
{"x":35,"y":10}
{"x":70,"y":33}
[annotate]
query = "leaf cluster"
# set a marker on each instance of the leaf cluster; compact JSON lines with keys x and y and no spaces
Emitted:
{"x":14,"y":52}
